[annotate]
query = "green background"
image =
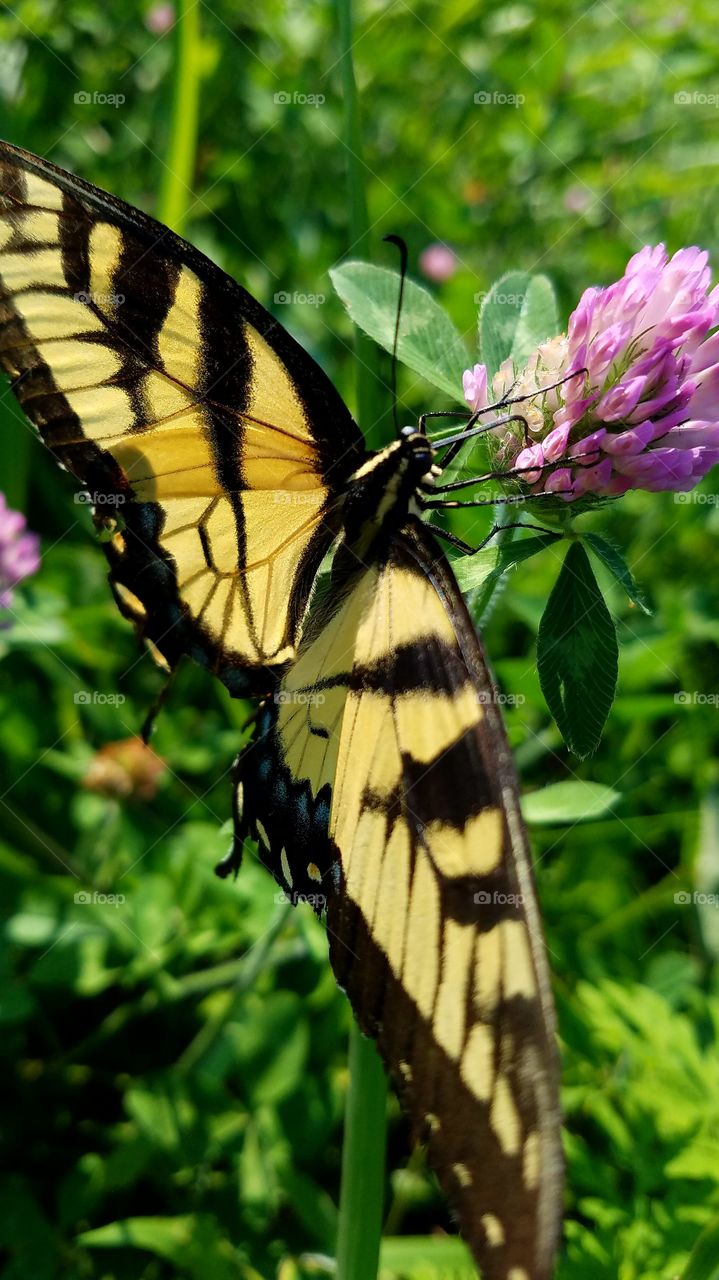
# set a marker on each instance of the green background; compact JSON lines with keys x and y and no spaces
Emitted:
{"x":180,"y":1056}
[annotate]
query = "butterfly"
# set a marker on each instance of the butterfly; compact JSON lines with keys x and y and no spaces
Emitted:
{"x":379,"y":783}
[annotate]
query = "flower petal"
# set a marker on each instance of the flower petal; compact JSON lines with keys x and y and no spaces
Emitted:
{"x":474,"y":385}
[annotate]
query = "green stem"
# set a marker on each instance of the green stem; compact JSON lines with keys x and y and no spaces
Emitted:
{"x":482,"y":599}
{"x":176,"y":188}
{"x":363,"y":1155}
{"x":373,"y":407}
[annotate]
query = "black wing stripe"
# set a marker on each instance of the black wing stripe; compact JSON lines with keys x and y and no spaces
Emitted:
{"x":227,"y":383}
{"x":427,"y":665}
{"x":449,"y":788}
{"x":146,"y":283}
{"x":74,"y":234}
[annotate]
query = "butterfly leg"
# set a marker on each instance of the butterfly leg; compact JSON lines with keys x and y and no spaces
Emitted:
{"x":232,"y":860}
{"x":442,"y":413}
{"x":148,"y":724}
{"x":469,"y":550}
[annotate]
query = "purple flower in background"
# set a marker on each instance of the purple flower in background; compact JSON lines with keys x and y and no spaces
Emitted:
{"x":19,"y":552}
{"x":438,"y":262}
{"x":642,"y":409}
{"x":160,"y":19}
{"x":577,"y":199}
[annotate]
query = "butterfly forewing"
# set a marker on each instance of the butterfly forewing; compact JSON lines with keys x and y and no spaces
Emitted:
{"x":184,"y":408}
{"x":389,"y":719}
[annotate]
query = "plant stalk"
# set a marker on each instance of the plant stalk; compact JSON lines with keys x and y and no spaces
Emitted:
{"x":363,"y":1155}
{"x":178,"y":175}
{"x":373,"y":407}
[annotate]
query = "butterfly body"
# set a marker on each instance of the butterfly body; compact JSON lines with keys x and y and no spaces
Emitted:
{"x":378,"y":784}
{"x":384,"y":489}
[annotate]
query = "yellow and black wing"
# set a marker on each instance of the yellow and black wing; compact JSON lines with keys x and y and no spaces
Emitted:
{"x":385,"y":736}
{"x":182,"y":406}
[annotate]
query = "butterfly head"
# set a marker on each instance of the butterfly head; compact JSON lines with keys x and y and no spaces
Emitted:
{"x":417,"y":448}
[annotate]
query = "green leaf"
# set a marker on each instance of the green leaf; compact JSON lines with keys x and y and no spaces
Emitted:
{"x":312,"y":1206}
{"x":518,"y":313}
{"x":616,"y":564}
{"x":704,"y":1260}
{"x":192,"y":1242}
{"x":256,"y":1170}
{"x":425,"y":1258}
{"x":499,"y":318}
{"x":168,"y":1237}
{"x":269,"y":1047}
{"x":428,"y":341}
{"x":571,"y":801}
{"x":538,"y":319}
{"x":492,"y":562}
{"x":164,"y":1114}
{"x":37,"y":618}
{"x":577,"y":654}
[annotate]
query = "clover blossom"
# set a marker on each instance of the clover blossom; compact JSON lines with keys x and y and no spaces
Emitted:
{"x":638,"y":402}
{"x":19,"y":552}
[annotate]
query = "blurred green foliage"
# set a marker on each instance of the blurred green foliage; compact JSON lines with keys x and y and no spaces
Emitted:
{"x":174,"y":1063}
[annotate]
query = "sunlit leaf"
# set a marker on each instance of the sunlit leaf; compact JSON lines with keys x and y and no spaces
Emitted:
{"x":425,"y":1258}
{"x":428,"y":341}
{"x":570,"y":801}
{"x":490,"y":563}
{"x":518,"y":313}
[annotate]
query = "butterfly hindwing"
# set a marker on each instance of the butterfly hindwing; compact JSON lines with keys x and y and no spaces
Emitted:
{"x":388,"y":720}
{"x":187,"y":411}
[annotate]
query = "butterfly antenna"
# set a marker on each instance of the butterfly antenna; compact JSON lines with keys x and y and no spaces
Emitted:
{"x":401,"y":245}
